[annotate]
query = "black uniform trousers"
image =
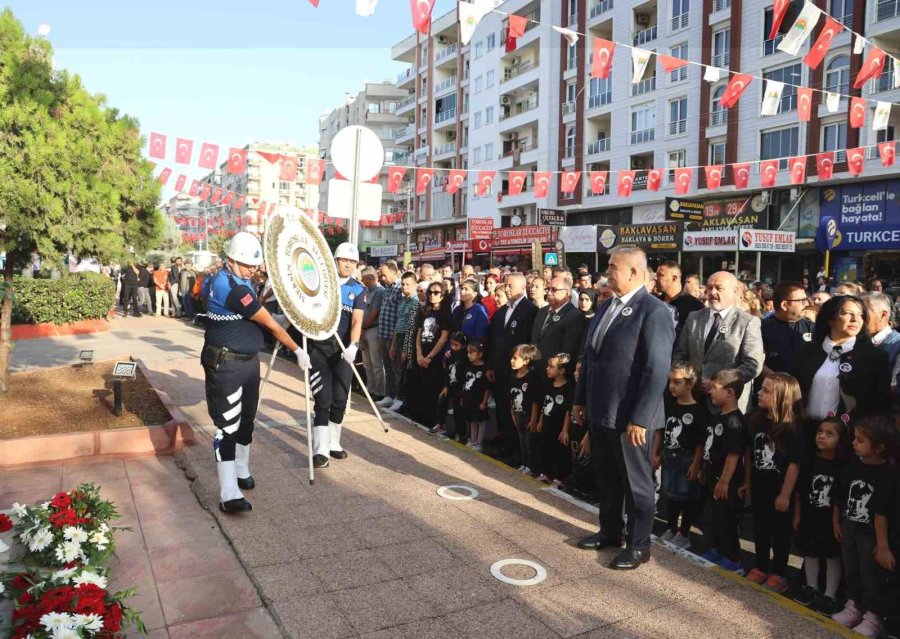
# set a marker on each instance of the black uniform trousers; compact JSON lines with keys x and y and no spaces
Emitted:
{"x":130,"y":294}
{"x":330,"y":377}
{"x":232,"y":393}
{"x":624,"y":478}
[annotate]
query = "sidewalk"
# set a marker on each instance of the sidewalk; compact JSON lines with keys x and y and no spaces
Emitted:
{"x":373,"y":551}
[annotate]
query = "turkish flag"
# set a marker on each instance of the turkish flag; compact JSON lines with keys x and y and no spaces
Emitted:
{"x":626,"y":183}
{"x":205,"y":192}
{"x":804,"y":103}
{"x":314,"y":3}
{"x":179,"y":183}
{"x":423,"y":179}
{"x":669,"y":63}
{"x":736,"y":86}
{"x":228,"y":198}
{"x":857,"y":112}
{"x":217,"y":195}
{"x":183,"y":150}
{"x":164,"y":176}
{"x":654,"y":179}
{"x":569,"y":181}
{"x":516,"y":181}
{"x":541,"y":183}
{"x":871,"y":68}
{"x":239,"y":203}
{"x":209,"y":156}
{"x":768,"y":171}
{"x":887,"y":152}
{"x":456,"y":179}
{"x":315,"y":171}
{"x":395,"y":178}
{"x":823,"y":43}
{"x":271,"y":157}
{"x":825,"y":165}
{"x":237,"y":160}
{"x":485,"y":182}
{"x":158,"y":146}
{"x":598,"y":181}
{"x":683,"y":180}
{"x":778,"y":12}
{"x":602,"y":59}
{"x":288,"y":168}
{"x":517,"y":25}
{"x":855,"y":159}
{"x":797,"y":167}
{"x":421,"y":15}
{"x":713,"y":174}
{"x":195,"y":188}
{"x":510,"y":44}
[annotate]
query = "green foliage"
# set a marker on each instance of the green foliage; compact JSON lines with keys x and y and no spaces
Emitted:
{"x":69,"y":299}
{"x":218,"y":244}
{"x":334,"y":235}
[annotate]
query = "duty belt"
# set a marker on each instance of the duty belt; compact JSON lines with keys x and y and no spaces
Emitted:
{"x":222,"y":353}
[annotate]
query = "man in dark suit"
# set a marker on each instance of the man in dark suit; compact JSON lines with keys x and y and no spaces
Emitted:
{"x":510,"y":326}
{"x":558,"y":327}
{"x":668,"y":285}
{"x":624,"y":372}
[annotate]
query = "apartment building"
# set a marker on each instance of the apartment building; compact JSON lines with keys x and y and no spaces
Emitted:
{"x":375,"y":107}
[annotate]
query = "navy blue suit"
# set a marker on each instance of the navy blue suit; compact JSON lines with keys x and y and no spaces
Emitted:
{"x":624,"y":383}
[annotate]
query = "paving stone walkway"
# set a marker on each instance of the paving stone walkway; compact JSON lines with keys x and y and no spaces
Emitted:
{"x":373,"y":551}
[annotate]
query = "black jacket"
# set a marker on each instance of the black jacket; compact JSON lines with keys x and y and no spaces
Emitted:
{"x":502,"y":339}
{"x":564,"y":335}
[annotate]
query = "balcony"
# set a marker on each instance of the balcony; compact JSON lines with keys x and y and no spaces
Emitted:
{"x":407,"y":75}
{"x":677,"y":127}
{"x":681,"y":21}
{"x":444,"y":116}
{"x":598,"y":146}
{"x":573,"y":20}
{"x":721,"y":59}
{"x":569,"y":152}
{"x":519,"y":148}
{"x":885,"y":81}
{"x":770,"y":47}
{"x":718,"y":117}
{"x":520,"y":108}
{"x":444,"y":149}
{"x":721,"y":5}
{"x":405,"y":104}
{"x":644,"y":86}
{"x":445,"y":53}
{"x":400,"y":159}
{"x":887,"y":9}
{"x":645,"y":36}
{"x":572,"y":63}
{"x":514,"y":71}
{"x":569,"y":107}
{"x":445,"y":85}
{"x":404,"y":132}
{"x":599,"y":8}
{"x":641,"y":137}
{"x":600,"y":99}
{"x":421,"y":151}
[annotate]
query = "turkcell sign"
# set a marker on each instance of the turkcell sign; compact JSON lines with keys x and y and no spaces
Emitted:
{"x":867,"y":215}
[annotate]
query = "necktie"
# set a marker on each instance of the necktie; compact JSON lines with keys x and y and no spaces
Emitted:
{"x":717,"y":323}
{"x":550,"y":315}
{"x":605,"y":322}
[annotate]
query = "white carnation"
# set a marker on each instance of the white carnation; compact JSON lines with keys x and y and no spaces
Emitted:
{"x":88,"y":577}
{"x":76,"y":534}
{"x":68,"y":551}
{"x":19,"y":510}
{"x":99,"y":540}
{"x":55,"y":620}
{"x":104,"y":527}
{"x":40,"y":540}
{"x":63,"y":575}
{"x":92,"y":622}
{"x":66,"y":633}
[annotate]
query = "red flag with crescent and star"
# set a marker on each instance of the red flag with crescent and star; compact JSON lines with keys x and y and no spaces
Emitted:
{"x":601,"y":62}
{"x":164,"y":176}
{"x":288,"y":171}
{"x":423,"y":179}
{"x":237,"y":160}
{"x":315,"y":171}
{"x":239,"y":202}
{"x":569,"y":181}
{"x":183,"y":150}
{"x":778,"y":12}
{"x":158,"y":146}
{"x":209,"y":156}
{"x":598,"y":181}
{"x":823,"y":43}
{"x":804,"y":103}
{"x":626,"y":183}
{"x":179,"y":183}
{"x":797,"y":167}
{"x":887,"y":151}
{"x":654,"y":179}
{"x":871,"y":68}
{"x":855,"y":160}
{"x":857,"y":112}
{"x":670,"y":63}
{"x":768,"y":172}
{"x":195,"y":188}
{"x":825,"y":165}
{"x":421,"y":15}
{"x":455,"y":180}
{"x":516,"y":181}
{"x":541,"y":184}
{"x":395,"y":178}
{"x":736,"y":86}
{"x":485,"y":182}
{"x":713,"y":174}
{"x":741,"y":173}
{"x":683,"y":180}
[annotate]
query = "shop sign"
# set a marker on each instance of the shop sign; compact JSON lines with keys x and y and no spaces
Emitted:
{"x":710,"y":241}
{"x":383,"y":251}
{"x":767,"y":241}
{"x":520,"y":235}
{"x":458,"y":245}
{"x":665,"y":236}
{"x":867,"y":215}
{"x":579,"y":239}
{"x":681,"y":209}
{"x":552,"y":217}
{"x":480,"y":228}
{"x":551,"y":259}
{"x":481,"y":246}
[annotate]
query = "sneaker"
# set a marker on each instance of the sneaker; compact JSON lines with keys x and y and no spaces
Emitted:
{"x":806,"y":596}
{"x":711,"y":555}
{"x":397,"y":405}
{"x":437,"y":430}
{"x":850,"y":616}
{"x":826,"y":605}
{"x":387,"y":401}
{"x":476,"y":448}
{"x":776,"y":583}
{"x":521,"y":468}
{"x":757,"y":576}
{"x":542,"y":477}
{"x":667,"y":536}
{"x":525,"y":470}
{"x":682,"y":541}
{"x":732,"y":566}
{"x":870,"y":626}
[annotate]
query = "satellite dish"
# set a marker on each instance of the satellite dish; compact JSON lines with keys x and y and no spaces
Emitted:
{"x":357,"y":153}
{"x":516,"y":221}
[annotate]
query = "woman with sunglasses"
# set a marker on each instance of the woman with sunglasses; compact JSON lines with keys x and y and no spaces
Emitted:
{"x":432,"y":333}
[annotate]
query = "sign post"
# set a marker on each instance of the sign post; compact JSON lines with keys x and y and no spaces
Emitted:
{"x":358,"y":154}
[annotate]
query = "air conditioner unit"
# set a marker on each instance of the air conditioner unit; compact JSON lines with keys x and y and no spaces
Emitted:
{"x":637,"y":163}
{"x":517,"y":210}
{"x":442,"y":39}
{"x":504,"y":100}
{"x":642,"y":19}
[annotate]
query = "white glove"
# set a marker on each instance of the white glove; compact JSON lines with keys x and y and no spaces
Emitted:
{"x":350,"y":354}
{"x":282,"y":320}
{"x":303,"y":360}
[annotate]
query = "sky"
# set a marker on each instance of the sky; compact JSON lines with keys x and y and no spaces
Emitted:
{"x":228,"y":72}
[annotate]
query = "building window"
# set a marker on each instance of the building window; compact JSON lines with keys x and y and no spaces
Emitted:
{"x":478,"y":119}
{"x":717,"y":152}
{"x":488,"y":151}
{"x":491,"y":41}
{"x":675,"y":160}
{"x":721,"y":48}
{"x":842,"y":11}
{"x":778,"y":144}
{"x":489,"y":115}
{"x":834,"y":138}
{"x":678,"y":116}
{"x":489,"y":78}
{"x":476,"y":158}
{"x":837,"y":74}
{"x":571,"y":57}
{"x":769,"y":46}
{"x":479,"y":82}
{"x":791,"y":77}
{"x":570,"y":142}
{"x":479,"y":49}
{"x":373,"y":107}
{"x":680,"y":14}
{"x":600,"y":92}
{"x":680,"y":51}
{"x":643,"y":123}
{"x":718,"y":115}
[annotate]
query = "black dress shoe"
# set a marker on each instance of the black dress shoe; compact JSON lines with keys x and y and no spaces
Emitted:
{"x":246,"y":483}
{"x":233,"y":506}
{"x":320,"y":461}
{"x":598,"y":541}
{"x":630,"y":559}
{"x":338,"y":454}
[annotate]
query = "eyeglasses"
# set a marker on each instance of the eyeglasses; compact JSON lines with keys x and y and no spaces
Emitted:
{"x":435,"y":292}
{"x":555,"y":290}
{"x":802,"y":299}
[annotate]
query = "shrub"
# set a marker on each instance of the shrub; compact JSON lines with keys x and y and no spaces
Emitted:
{"x":69,"y":299}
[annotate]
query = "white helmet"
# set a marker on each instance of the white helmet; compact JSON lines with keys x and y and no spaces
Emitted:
{"x":346,"y":251}
{"x":245,"y":248}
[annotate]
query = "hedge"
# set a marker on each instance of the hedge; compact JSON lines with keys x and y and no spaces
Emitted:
{"x":80,"y":296}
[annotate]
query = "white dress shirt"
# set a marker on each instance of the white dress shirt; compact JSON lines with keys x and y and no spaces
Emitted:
{"x":881,"y":335}
{"x":825,"y":391}
{"x":512,"y":308}
{"x":614,"y":310}
{"x":712,"y":319}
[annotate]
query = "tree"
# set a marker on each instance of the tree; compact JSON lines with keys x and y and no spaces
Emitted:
{"x":72,"y":177}
{"x":334,"y":235}
{"x":171,"y":235}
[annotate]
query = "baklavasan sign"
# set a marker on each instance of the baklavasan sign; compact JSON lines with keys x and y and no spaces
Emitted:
{"x":521,"y":235}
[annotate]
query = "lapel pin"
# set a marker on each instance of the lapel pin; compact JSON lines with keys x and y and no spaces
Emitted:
{"x":626,"y":311}
{"x":723,"y":329}
{"x":846,"y":368}
{"x":513,"y":323}
{"x":556,"y":318}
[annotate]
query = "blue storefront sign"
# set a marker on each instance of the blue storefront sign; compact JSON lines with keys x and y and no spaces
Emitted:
{"x":867,"y":216}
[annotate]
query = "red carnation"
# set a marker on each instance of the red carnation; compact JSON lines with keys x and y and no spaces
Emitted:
{"x":5,"y":523}
{"x":112,"y":622}
{"x":26,"y":598}
{"x":21,"y":582}
{"x":61,"y":500}
{"x":63,"y":518}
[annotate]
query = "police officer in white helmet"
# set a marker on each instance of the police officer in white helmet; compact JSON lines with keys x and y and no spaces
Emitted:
{"x":235,"y":324}
{"x":330,"y":373}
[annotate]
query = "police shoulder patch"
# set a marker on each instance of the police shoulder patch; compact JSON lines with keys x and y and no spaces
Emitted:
{"x":247,"y":299}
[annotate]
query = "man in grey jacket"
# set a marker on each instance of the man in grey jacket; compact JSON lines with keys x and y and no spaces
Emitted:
{"x":722,"y":336}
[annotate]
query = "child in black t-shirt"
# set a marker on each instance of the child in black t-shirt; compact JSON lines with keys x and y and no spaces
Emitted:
{"x":777,"y":452}
{"x":723,"y":470}
{"x":678,"y":448}
{"x":448,"y":398}
{"x":554,"y":422}
{"x":475,"y":394}
{"x":861,"y":525}
{"x":524,"y":404}
{"x":583,"y":479}
{"x":813,"y":502}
